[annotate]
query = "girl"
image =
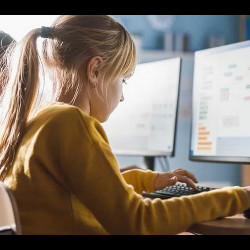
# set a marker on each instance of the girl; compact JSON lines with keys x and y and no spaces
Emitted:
{"x":58,"y":162}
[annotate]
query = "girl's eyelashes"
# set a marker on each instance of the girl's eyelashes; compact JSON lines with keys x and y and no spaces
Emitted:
{"x":124,"y":81}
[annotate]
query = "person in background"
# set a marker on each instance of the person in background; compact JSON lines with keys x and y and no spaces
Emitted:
{"x":5,"y":42}
{"x":57,"y":160}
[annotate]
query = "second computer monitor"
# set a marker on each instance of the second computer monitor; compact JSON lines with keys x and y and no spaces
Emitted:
{"x":221,"y":104}
{"x":144,"y":123}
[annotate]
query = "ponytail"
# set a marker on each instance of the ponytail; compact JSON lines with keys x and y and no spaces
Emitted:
{"x":23,"y":87}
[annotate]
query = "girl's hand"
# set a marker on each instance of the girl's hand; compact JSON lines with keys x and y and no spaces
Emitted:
{"x":170,"y":178}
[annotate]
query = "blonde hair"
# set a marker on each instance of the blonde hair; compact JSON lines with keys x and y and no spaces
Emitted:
{"x":72,"y":41}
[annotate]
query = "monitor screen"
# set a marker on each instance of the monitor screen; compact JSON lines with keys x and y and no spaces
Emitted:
{"x":144,"y":123}
{"x":221,"y":104}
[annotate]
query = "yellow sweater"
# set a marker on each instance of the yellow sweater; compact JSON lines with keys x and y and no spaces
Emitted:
{"x":67,"y":181}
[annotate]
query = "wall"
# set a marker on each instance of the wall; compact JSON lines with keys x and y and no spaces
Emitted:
{"x":198,"y":27}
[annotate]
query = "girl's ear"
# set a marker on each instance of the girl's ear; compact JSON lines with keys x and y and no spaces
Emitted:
{"x":93,"y":70}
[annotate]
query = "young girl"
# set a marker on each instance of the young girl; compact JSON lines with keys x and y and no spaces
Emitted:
{"x":58,"y":161}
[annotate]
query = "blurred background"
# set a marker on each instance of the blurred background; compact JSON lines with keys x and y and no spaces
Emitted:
{"x":167,"y":36}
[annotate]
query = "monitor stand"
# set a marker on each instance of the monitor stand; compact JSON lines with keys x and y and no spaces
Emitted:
{"x":149,"y":162}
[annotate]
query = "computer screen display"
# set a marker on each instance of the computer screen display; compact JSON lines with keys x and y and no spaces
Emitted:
{"x":221,"y":104}
{"x":144,"y":123}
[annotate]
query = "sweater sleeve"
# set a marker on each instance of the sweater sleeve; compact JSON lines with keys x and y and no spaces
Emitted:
{"x":92,"y":174}
{"x":141,"y":180}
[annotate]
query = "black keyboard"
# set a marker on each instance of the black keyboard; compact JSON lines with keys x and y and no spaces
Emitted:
{"x":176,"y":190}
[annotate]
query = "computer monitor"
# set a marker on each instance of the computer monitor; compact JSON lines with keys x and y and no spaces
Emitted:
{"x":144,"y":123}
{"x":221,"y":104}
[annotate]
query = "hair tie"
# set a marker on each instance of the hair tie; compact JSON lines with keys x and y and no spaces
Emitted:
{"x":46,"y":32}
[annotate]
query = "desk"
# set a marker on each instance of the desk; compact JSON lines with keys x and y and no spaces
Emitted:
{"x":234,"y":225}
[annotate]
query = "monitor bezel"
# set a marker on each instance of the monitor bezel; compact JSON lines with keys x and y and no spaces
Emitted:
{"x":216,"y":159}
{"x":220,"y":159}
{"x":159,"y":153}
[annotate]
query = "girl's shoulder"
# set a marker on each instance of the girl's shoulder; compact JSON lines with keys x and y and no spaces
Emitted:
{"x":57,"y":110}
{"x":69,"y":117}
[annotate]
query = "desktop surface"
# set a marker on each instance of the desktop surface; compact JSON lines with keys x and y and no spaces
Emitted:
{"x":230,"y":225}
